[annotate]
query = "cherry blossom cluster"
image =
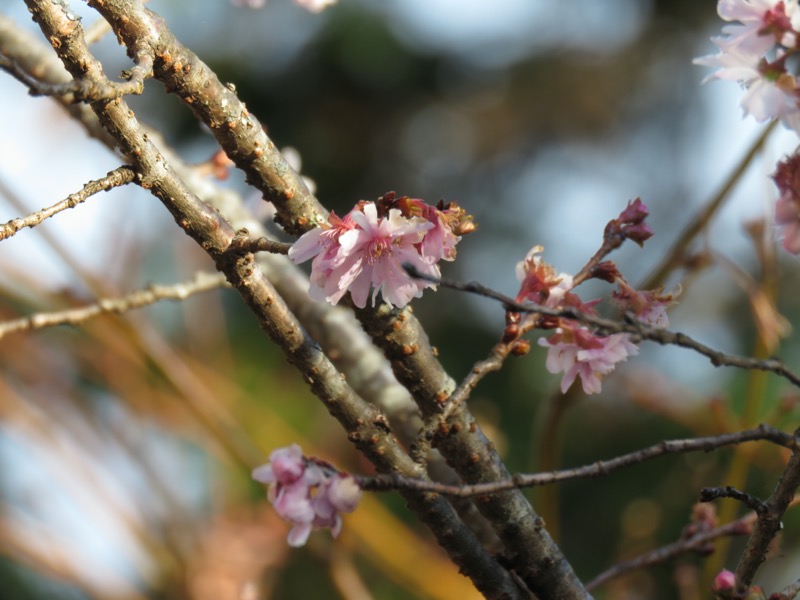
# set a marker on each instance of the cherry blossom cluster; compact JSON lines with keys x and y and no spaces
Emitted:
{"x":368,"y":248}
{"x":757,"y":51}
{"x":307,"y":492}
{"x":574,"y":349}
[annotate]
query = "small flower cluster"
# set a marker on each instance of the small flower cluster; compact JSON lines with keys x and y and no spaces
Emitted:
{"x":756,"y":52}
{"x":308,"y":493}
{"x":369,"y":246}
{"x":574,"y":349}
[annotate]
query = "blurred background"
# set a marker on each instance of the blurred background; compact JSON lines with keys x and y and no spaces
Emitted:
{"x":126,"y":444}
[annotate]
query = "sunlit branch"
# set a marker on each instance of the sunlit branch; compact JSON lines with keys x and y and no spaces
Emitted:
{"x":201,"y":282}
{"x":118,"y":177}
{"x":366,"y":427}
{"x":637,"y":329}
{"x":596,"y":469}
{"x":84,"y":89}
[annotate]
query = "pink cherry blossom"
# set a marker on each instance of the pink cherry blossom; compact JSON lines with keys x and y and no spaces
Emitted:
{"x":306,"y":492}
{"x":755,"y":52}
{"x":576,"y":351}
{"x":648,"y":307}
{"x":370,"y":246}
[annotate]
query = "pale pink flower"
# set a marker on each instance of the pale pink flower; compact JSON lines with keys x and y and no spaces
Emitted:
{"x":648,"y":307}
{"x":364,"y":251}
{"x":374,"y":255}
{"x":767,"y":31}
{"x":307,"y":493}
{"x":439,"y":242}
{"x":752,"y":34}
{"x":576,"y":351}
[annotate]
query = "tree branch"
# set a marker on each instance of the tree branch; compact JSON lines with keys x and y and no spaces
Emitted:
{"x":790,"y":592}
{"x":118,"y":177}
{"x":201,"y":282}
{"x":600,"y":468}
{"x":695,"y":543}
{"x":237,"y":131}
{"x":637,"y":329}
{"x":750,"y":501}
{"x":769,"y":523}
{"x":245,"y":142}
{"x":367,"y":428}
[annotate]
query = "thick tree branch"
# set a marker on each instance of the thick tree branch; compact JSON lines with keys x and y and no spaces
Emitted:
{"x":335,"y":328}
{"x":534,"y":555}
{"x":115,"y":178}
{"x":367,"y":428}
{"x":243,"y":139}
{"x":237,"y":131}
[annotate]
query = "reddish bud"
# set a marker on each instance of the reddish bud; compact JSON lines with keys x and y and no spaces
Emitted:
{"x":635,"y":213}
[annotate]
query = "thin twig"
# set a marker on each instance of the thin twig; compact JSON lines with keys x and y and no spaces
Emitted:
{"x":695,"y":543}
{"x":597,"y":469}
{"x":493,"y":362}
{"x":118,"y":177}
{"x":85,"y":89}
{"x":753,"y":503}
{"x":676,"y":255}
{"x":201,"y":282}
{"x":769,"y":523}
{"x":637,"y":329}
{"x":788,"y":593}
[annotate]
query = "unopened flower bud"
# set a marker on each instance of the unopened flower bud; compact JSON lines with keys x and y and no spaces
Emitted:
{"x":724,"y":585}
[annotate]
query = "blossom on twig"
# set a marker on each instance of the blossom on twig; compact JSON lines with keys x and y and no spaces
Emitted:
{"x":755,"y":51}
{"x":576,"y":351}
{"x":306,"y":492}
{"x":647,"y":307}
{"x":368,"y":247}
